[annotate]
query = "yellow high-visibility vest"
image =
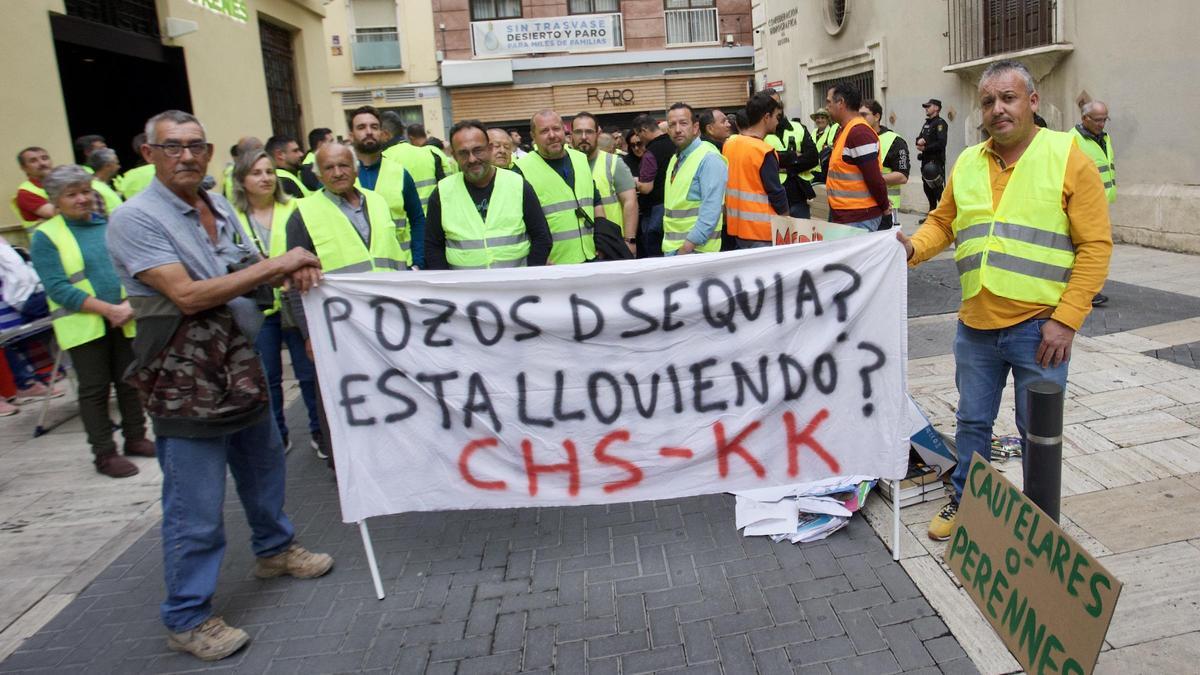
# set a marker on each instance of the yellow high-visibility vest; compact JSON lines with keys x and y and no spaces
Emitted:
{"x":1022,"y":250}
{"x":572,"y":233}
{"x":679,"y":212}
{"x":337,"y":242}
{"x":1103,"y":158}
{"x":473,"y":243}
{"x":72,"y":328}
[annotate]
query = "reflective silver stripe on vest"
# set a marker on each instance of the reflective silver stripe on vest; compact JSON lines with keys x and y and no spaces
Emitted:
{"x":748,"y":196}
{"x":1033,"y":235}
{"x":519,"y":262}
{"x":389,"y":264}
{"x":1109,"y":183}
{"x":749,"y":215}
{"x":1029,"y":268}
{"x":838,"y":175}
{"x":968,"y":263}
{"x":847,"y":193}
{"x":363,"y":266}
{"x":77,"y":277}
{"x":571,"y":234}
{"x":894,"y":190}
{"x":471,"y":244}
{"x":681,"y":213}
{"x":1104,"y":167}
{"x":426,"y":183}
{"x":610,"y":199}
{"x":61,"y":313}
{"x":558,"y":206}
{"x":973,"y":232}
{"x":678,"y":236}
{"x":405,"y":245}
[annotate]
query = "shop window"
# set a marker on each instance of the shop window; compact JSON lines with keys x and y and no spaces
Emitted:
{"x":593,"y":6}
{"x":482,"y":10}
{"x":691,"y":22}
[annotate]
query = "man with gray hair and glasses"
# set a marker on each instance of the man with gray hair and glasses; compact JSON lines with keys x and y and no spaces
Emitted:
{"x":196,"y":285}
{"x":1028,"y":217}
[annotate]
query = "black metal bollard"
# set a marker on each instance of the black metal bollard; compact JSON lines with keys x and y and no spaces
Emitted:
{"x":1043,"y":454}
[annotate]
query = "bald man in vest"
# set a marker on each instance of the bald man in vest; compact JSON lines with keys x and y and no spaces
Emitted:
{"x":1027,"y":213}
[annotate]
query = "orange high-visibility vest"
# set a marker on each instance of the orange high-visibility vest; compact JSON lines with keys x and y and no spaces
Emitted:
{"x":844,"y":183}
{"x":746,"y":205}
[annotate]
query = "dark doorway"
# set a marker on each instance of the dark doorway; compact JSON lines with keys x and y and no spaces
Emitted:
{"x":113,"y":80}
{"x":279,"y":67}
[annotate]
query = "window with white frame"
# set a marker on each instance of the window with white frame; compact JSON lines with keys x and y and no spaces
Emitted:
{"x":593,"y":6}
{"x":482,"y":10}
{"x":691,"y":22}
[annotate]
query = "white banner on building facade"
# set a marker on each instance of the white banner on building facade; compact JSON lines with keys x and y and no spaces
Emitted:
{"x":578,"y":33}
{"x":616,"y":381}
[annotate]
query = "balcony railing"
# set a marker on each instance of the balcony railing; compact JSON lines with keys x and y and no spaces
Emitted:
{"x":692,"y":26}
{"x":376,"y":51}
{"x":983,"y":28}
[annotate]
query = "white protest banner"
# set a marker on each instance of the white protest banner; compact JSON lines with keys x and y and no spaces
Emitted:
{"x":616,"y":381}
{"x":578,"y":33}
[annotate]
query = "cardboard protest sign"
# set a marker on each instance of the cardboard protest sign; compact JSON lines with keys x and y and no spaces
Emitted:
{"x":1047,"y":598}
{"x":614,"y":382}
{"x":788,"y":230}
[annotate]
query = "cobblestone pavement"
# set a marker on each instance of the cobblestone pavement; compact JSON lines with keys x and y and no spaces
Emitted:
{"x":1185,"y":355}
{"x":628,"y":588}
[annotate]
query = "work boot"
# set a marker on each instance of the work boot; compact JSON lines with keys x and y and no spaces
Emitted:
{"x":143,"y":447}
{"x":296,"y":561}
{"x":1099,"y":299}
{"x":210,"y":641}
{"x":115,"y":466}
{"x":943,"y":523}
{"x":7,"y":408}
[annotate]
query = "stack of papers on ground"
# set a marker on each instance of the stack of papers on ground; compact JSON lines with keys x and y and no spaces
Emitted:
{"x":920,"y":485}
{"x":801,"y":512}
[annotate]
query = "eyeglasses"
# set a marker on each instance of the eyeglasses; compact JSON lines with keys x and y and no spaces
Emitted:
{"x":197,"y":148}
{"x":1098,"y":119}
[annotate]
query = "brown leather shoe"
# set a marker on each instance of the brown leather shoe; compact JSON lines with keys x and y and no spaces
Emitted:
{"x":143,"y":447}
{"x":115,"y":466}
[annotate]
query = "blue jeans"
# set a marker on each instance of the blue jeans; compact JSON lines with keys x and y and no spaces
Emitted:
{"x":870,"y":225}
{"x":650,"y":233}
{"x":270,"y":341}
{"x":193,"y":529}
{"x":982,"y":360}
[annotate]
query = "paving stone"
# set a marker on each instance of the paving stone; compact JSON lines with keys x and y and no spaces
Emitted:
{"x":906,"y":646}
{"x":959,"y":667}
{"x":650,"y":661}
{"x":944,"y":649}
{"x":875,"y":663}
{"x":626,"y":588}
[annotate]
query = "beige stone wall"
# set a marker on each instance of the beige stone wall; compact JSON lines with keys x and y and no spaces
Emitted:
{"x":419,"y":43}
{"x":224,"y":68}
{"x":30,"y":115}
{"x":1137,"y":58}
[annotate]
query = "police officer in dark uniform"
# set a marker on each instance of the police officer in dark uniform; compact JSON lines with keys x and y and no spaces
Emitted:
{"x":931,"y":148}
{"x":797,"y":157}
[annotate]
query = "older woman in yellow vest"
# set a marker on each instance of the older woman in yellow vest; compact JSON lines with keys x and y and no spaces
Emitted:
{"x":92,"y":319}
{"x":264,"y":209}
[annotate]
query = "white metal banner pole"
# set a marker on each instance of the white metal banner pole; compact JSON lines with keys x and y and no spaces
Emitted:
{"x":370,"y":549}
{"x":896,"y":520}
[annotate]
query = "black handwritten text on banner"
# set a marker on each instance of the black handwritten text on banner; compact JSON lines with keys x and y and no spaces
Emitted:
{"x":613,"y":382}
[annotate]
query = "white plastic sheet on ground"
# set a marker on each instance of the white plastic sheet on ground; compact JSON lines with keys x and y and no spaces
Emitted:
{"x":614,"y":382}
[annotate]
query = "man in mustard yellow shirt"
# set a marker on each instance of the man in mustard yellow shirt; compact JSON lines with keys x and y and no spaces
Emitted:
{"x":1027,"y":213}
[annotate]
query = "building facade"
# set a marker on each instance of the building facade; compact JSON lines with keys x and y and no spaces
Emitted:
{"x":903,"y":53}
{"x":75,"y":67}
{"x":383,"y":53}
{"x":507,"y":59}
